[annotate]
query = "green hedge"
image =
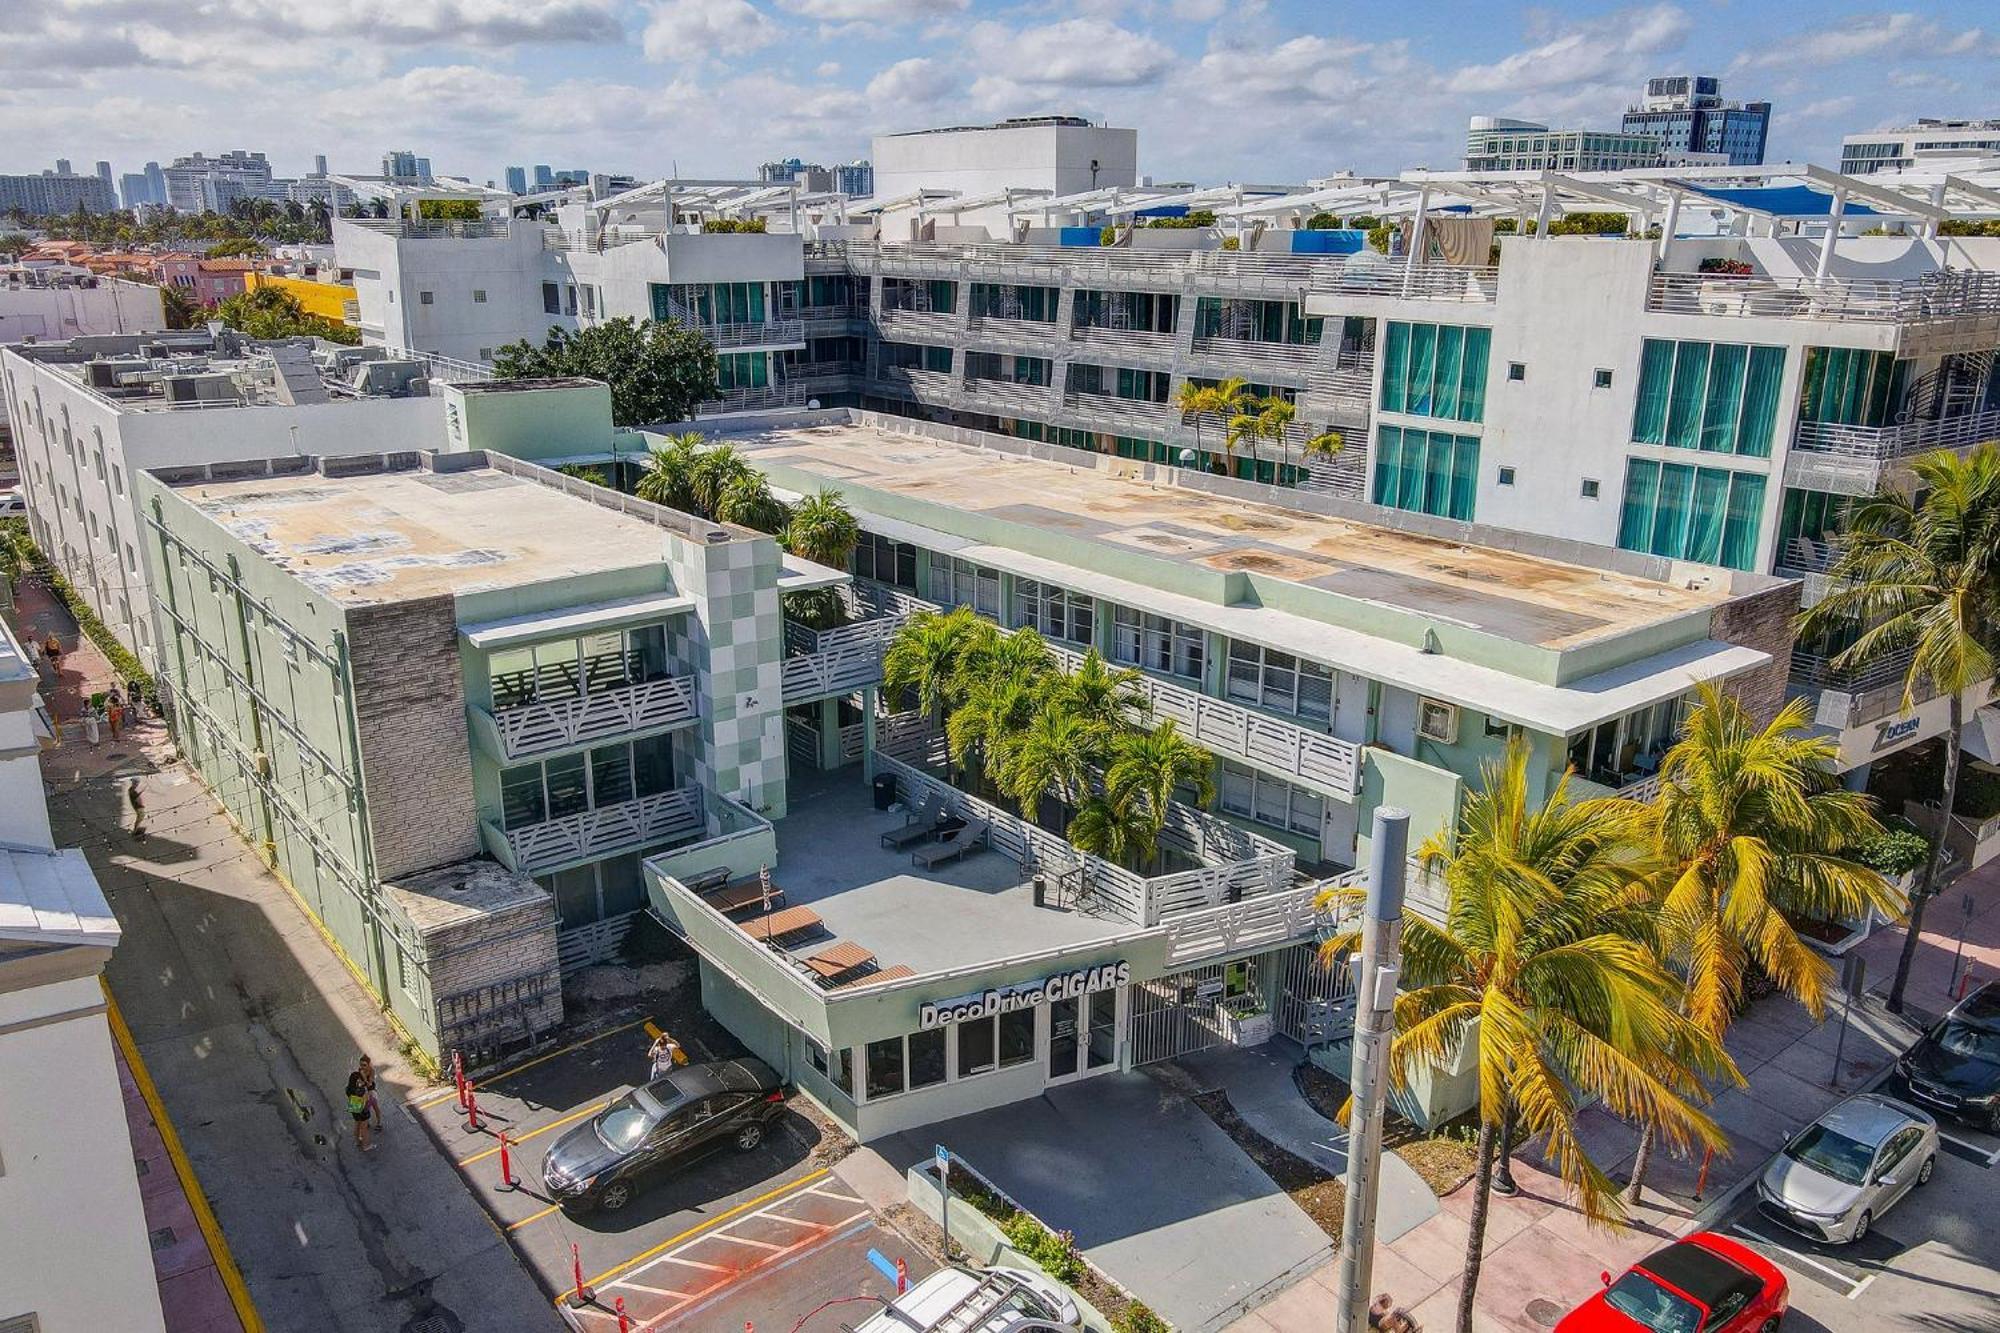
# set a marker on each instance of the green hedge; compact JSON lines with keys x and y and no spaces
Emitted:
{"x":25,"y":556}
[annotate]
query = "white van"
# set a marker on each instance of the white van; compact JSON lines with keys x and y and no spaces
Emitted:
{"x":998,"y":1300}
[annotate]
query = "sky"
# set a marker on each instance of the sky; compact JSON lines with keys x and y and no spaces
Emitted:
{"x":1263,"y":91}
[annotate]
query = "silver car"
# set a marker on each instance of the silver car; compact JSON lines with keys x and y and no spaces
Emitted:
{"x":1839,"y":1174}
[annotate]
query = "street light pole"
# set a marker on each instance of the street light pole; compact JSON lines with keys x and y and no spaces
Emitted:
{"x":1374,"y":1025}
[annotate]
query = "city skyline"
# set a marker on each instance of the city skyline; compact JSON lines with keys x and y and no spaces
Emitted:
{"x":636,"y":86}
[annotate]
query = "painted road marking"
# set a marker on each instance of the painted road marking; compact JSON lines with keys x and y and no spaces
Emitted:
{"x":744,"y":1240}
{"x":691,"y":1263}
{"x":433,"y":1098}
{"x":791,"y":1187}
{"x":687,"y":1301}
{"x":1979,"y":1151}
{"x":1850,"y":1283}
{"x":655,"y":1291}
{"x":515,"y":1140}
{"x":533,"y":1217}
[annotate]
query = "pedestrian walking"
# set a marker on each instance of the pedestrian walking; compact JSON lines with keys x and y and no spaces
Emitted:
{"x":114,"y":713}
{"x":367,"y":1072}
{"x":138,"y":804}
{"x":357,"y":1109}
{"x":664,"y":1053}
{"x":53,"y":650}
{"x":135,"y":700}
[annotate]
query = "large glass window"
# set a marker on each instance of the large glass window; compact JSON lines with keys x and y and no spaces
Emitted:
{"x":876,"y":557}
{"x":1017,"y":1037}
{"x":1436,"y":370}
{"x":1266,"y":678}
{"x":883,"y":1066}
{"x":927,"y":1058}
{"x":1267,"y":800}
{"x":1054,"y":612}
{"x":1427,"y":472}
{"x":743,"y":370}
{"x":1849,"y":386}
{"x":1691,"y":513}
{"x":1255,"y":321}
{"x":567,"y":668}
{"x":1807,"y":519}
{"x":1155,"y":643}
{"x":571,"y":783}
{"x":956,"y":582}
{"x":709,"y":303}
{"x":1714,"y":397}
{"x":978,"y":1046}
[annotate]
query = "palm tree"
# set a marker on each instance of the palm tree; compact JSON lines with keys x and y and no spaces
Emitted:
{"x":746,"y":501}
{"x":1325,"y":444}
{"x":1195,"y":401}
{"x":1057,"y":754}
{"x":990,"y":716}
{"x":1244,"y":429}
{"x":1113,"y":829}
{"x":180,"y":309}
{"x":1923,"y":576}
{"x":926,"y":656}
{"x":1110,"y":697}
{"x":1148,"y":767}
{"x":669,"y":478}
{"x":713,"y":472}
{"x":1274,"y":422}
{"x":1543,"y":961}
{"x":1750,"y":831}
{"x":823,"y":529}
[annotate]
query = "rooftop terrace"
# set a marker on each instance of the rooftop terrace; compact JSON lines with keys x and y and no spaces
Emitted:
{"x":1537,"y":601}
{"x":376,"y":536}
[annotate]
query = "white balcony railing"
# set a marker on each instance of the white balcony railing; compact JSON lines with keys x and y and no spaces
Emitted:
{"x":1255,"y":354}
{"x":1932,"y":297}
{"x":1147,"y":347}
{"x":757,"y":398}
{"x":1035,"y":334}
{"x":1394,"y":279}
{"x":930,"y":325}
{"x":537,"y":727}
{"x":1125,"y":415}
{"x":590,"y":835}
{"x":930,"y":386}
{"x":1876,"y":443}
{"x":1008,"y":395}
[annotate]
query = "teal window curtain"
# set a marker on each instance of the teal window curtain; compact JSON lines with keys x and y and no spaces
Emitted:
{"x":1812,"y":384}
{"x":1739,"y":527}
{"x":1388,"y":450}
{"x":1642,"y":488}
{"x":1472,"y":380}
{"x":662,"y":307}
{"x":1437,"y":473}
{"x":756,"y":307}
{"x":1423,"y":368}
{"x":1450,"y":354}
{"x":1684,"y":400}
{"x":1410,"y":488}
{"x":1711,"y":497}
{"x":1656,"y":376}
{"x":1464,"y":476}
{"x":1670,"y":519}
{"x":1724,"y":399}
{"x":1760,"y":401}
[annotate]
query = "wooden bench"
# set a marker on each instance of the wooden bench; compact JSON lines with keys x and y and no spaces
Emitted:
{"x":837,"y":960}
{"x":896,"y":973}
{"x":745,"y":893}
{"x":777,"y":925}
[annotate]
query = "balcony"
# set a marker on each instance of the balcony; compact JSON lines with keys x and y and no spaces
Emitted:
{"x":1033,"y":335}
{"x":828,"y":662}
{"x":935,"y":387}
{"x":830,"y":321}
{"x":1010,"y":397}
{"x":1256,"y":356}
{"x":1950,"y":294}
{"x":759,"y":398}
{"x":1854,"y":696}
{"x":1876,"y":444}
{"x":1122,"y":416}
{"x":932,"y":326}
{"x":591,"y":835}
{"x":1145,"y":349}
{"x":1379,"y":278}
{"x":541,"y":726}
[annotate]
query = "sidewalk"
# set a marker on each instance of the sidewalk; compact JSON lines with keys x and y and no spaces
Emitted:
{"x":1931,"y":990}
{"x":249,"y":1024}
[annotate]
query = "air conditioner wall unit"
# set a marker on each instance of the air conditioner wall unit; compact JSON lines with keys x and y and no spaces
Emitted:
{"x":1437,"y":721}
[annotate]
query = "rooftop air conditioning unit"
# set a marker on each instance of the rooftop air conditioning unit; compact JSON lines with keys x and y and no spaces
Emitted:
{"x":1437,"y":721}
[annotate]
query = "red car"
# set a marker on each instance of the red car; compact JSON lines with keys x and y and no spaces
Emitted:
{"x":1704,"y":1283}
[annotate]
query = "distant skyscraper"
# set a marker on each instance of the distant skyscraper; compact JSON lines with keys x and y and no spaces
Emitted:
{"x":544,"y":179}
{"x":62,"y":191}
{"x":319,"y":164}
{"x":156,"y":184}
{"x":1687,"y":114}
{"x":406,"y":168}
{"x":104,"y":172}
{"x":854,"y":178}
{"x":133,"y":191}
{"x":62,"y":167}
{"x":196,"y":183}
{"x":517,"y":180}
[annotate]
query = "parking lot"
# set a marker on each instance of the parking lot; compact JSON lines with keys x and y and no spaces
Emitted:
{"x":1932,"y":1262}
{"x":764,"y":1234}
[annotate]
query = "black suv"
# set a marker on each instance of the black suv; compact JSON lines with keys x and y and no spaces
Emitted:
{"x":689,"y":1113}
{"x":1955,"y":1069}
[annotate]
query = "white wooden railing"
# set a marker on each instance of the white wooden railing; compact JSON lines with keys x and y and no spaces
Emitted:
{"x":850,"y":666}
{"x":1875,"y":443}
{"x":590,"y":835}
{"x":532,"y":728}
{"x":1254,"y":923}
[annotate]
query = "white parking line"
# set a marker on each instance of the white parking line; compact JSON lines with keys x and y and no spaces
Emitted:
{"x":1833,"y":1273}
{"x":1862,"y":1285}
{"x":654,"y":1291}
{"x":691,"y":1263}
{"x":1991,"y":1157}
{"x":742,"y":1240}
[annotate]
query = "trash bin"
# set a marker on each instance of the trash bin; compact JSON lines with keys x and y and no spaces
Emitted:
{"x":1041,"y":892}
{"x":885,"y":790}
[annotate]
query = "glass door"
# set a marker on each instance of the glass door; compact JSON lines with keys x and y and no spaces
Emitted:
{"x":1101,"y":1046}
{"x":1065,"y":1041}
{"x":1083,"y":1036}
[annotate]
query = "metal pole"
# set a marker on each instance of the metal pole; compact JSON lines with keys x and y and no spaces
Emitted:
{"x":1374,"y":1025}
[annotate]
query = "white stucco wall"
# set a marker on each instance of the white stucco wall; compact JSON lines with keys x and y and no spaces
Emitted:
{"x":977,"y":161}
{"x":46,"y":314}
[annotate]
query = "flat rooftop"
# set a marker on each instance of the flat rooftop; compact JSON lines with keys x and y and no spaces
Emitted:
{"x":966,"y":913}
{"x":375,"y":537}
{"x":1529,"y":599}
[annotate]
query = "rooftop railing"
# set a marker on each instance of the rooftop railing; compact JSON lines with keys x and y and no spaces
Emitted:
{"x":1947,"y":294}
{"x":1900,"y":440}
{"x":1393,"y":279}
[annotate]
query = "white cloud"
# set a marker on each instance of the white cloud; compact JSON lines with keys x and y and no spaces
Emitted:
{"x":1869,"y":34}
{"x":827,"y":69}
{"x":1585,"y":53}
{"x":689,"y":30}
{"x":917,"y":81}
{"x":1074,"y":53}
{"x":871,"y":11}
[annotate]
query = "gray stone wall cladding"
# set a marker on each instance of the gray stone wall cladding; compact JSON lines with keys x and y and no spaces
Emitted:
{"x":1765,"y":621}
{"x":416,"y":761}
{"x":503,"y":966}
{"x":733,"y":643}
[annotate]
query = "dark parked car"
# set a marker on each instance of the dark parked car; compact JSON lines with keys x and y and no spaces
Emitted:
{"x":669,"y":1122}
{"x":1955,"y":1069}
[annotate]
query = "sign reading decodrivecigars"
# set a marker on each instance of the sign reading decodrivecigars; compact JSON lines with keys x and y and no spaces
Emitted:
{"x":1006,"y":999}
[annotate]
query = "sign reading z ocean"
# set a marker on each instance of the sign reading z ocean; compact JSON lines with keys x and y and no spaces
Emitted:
{"x":1006,"y":999}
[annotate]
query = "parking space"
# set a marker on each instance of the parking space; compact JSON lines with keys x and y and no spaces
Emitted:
{"x":690,"y":1237}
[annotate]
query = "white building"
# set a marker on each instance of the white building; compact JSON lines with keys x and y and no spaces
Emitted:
{"x":1060,"y":154}
{"x":197,"y":182}
{"x":90,"y":414}
{"x":66,"y":302}
{"x":1913,"y":145}
{"x":1494,"y":143}
{"x":76,"y":1253}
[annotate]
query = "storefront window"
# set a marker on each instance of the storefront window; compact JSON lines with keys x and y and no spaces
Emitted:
{"x":927,"y":1060}
{"x":838,"y":1067}
{"x":976,"y":1049}
{"x":1017,"y":1037}
{"x":885,"y":1068}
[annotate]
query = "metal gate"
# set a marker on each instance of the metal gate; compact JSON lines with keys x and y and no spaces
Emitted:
{"x":1314,"y":993}
{"x":1181,"y":1014}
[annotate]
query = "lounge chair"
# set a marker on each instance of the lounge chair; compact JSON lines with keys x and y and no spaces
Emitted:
{"x":736,"y":897}
{"x":777,"y":925}
{"x":708,"y":881}
{"x":896,"y":973}
{"x":920,"y":826}
{"x":838,"y":959}
{"x":950,"y":846}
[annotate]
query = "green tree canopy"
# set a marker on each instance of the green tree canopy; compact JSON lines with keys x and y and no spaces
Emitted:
{"x":657,"y":372}
{"x":272,"y":312}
